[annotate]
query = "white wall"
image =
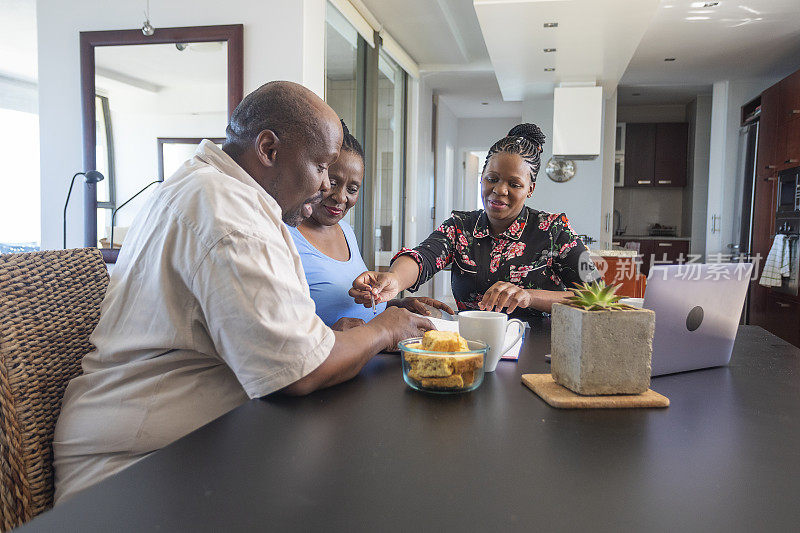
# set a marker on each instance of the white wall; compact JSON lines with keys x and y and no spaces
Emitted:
{"x":446,"y":146}
{"x":475,"y":134}
{"x":277,"y":26}
{"x":581,"y":197}
{"x":696,"y":197}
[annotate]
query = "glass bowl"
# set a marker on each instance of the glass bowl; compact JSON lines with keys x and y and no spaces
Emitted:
{"x":442,"y":372}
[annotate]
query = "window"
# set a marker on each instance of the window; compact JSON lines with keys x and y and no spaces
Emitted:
{"x":344,"y":84}
{"x":389,"y":181}
{"x":20,"y":202}
{"x":368,"y":90}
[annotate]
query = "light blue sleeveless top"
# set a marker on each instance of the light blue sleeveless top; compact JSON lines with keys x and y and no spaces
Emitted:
{"x":329,"y":279}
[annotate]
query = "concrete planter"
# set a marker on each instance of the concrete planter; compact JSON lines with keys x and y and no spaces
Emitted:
{"x":602,"y":352}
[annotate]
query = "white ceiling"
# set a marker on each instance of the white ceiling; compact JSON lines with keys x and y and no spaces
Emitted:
{"x":163,"y":65}
{"x":659,"y":94}
{"x":464,"y":93}
{"x":433,"y":32}
{"x":594,"y":41}
{"x":737,"y":39}
{"x":18,"y":39}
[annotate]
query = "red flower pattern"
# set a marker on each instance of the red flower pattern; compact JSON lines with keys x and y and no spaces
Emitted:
{"x":539,"y":255}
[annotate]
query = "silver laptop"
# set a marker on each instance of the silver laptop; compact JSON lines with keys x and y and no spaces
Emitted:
{"x":698,"y":307}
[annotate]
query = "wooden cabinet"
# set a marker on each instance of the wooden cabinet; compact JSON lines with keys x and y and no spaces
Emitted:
{"x":640,"y":150}
{"x":792,"y":147}
{"x":671,"y":154}
{"x":778,"y":149}
{"x":789,"y":89}
{"x":656,"y":154}
{"x":659,"y":252}
{"x":766,"y":158}
{"x":782,"y":317}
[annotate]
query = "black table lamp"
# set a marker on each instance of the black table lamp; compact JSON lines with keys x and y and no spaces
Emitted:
{"x":91,"y":176}
{"x":114,"y":212}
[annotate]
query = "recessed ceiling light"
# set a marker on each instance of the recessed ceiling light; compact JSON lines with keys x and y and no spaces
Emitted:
{"x":697,"y":18}
{"x":484,"y":103}
{"x":549,"y":69}
{"x":551,"y":24}
{"x":700,"y":11}
{"x":547,"y":50}
{"x":669,"y":59}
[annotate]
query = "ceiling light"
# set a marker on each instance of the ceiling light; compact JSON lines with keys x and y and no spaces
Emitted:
{"x":547,"y":50}
{"x":703,"y":4}
{"x":668,"y":6}
{"x":669,"y":59}
{"x":551,"y":24}
{"x":700,"y":11}
{"x":697,"y":18}
{"x":549,"y":69}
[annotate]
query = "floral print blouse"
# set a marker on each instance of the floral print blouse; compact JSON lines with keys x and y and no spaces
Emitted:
{"x":538,"y":251}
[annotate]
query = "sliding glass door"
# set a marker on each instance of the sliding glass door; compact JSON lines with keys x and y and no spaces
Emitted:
{"x":368,"y":91}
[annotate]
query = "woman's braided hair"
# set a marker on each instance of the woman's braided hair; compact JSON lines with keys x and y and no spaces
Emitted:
{"x":350,"y":143}
{"x":526,"y":140}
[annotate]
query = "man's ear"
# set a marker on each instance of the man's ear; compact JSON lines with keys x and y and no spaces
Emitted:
{"x":266,"y":147}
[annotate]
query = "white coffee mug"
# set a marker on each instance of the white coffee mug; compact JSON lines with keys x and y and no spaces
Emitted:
{"x":489,"y":327}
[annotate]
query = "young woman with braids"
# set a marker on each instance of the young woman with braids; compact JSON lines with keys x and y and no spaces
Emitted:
{"x":506,"y":256}
{"x":329,"y":251}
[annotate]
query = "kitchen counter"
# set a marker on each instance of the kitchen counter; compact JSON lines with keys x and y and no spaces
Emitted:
{"x":612,"y":253}
{"x":649,"y":237}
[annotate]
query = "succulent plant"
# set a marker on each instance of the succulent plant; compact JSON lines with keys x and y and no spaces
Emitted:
{"x":596,"y":296}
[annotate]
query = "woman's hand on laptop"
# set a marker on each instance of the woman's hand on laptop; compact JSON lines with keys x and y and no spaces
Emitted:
{"x":382,"y":286}
{"x":416,"y":304}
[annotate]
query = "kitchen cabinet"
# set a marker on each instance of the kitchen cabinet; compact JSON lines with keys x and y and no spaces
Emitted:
{"x":640,"y":150}
{"x":792,"y":149}
{"x":656,"y":155}
{"x":789,"y":89}
{"x":659,"y":251}
{"x":766,"y":157}
{"x":671,"y":154}
{"x":782,"y":317}
{"x":778,"y":149}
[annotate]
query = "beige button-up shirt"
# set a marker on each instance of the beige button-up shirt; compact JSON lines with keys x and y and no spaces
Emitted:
{"x":207,"y":306}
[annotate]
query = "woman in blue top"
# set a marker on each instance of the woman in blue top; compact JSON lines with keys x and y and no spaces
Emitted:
{"x":329,"y":251}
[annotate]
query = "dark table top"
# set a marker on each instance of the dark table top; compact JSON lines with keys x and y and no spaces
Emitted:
{"x":372,"y":454}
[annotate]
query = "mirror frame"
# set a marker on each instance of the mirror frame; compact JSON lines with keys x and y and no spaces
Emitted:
{"x":233,"y":34}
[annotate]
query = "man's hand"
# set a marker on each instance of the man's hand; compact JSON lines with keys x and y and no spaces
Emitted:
{"x":346,"y":322}
{"x":399,"y":324}
{"x":503,"y":294}
{"x":416,"y":304}
{"x":382,"y":285}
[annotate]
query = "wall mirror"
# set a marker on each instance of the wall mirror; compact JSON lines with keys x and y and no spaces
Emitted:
{"x":147,"y":103}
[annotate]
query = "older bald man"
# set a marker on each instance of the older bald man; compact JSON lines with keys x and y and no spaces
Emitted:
{"x":208,"y":305}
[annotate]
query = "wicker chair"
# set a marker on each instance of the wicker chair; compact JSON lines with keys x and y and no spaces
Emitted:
{"x":49,"y":304}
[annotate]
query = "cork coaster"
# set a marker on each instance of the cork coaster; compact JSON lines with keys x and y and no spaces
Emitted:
{"x":563,"y":398}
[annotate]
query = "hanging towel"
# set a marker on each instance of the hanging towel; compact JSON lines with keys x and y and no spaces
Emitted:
{"x":776,"y":267}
